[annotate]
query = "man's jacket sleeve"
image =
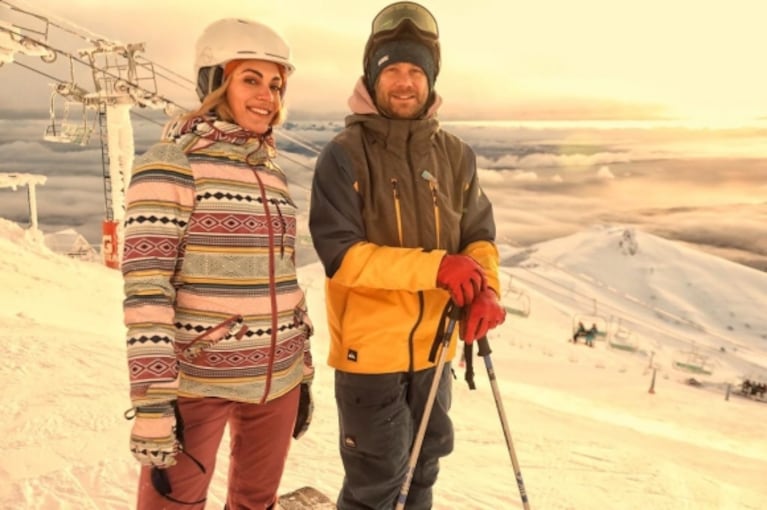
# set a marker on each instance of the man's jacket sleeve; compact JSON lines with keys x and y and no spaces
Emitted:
{"x":478,"y":227}
{"x":338,"y":234}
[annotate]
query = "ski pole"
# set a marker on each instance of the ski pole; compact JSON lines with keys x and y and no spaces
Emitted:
{"x":454,"y":313}
{"x":484,"y":351}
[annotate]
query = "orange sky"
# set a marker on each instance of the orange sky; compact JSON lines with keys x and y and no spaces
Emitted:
{"x":501,"y":58}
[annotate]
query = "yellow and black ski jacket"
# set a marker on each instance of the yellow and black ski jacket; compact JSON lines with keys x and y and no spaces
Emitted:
{"x":389,"y":199}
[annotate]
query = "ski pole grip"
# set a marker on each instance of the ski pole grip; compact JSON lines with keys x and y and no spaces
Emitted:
{"x":483,"y":347}
{"x":455,"y":312}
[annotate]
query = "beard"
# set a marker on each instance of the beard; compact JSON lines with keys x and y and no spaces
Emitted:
{"x":411,"y":108}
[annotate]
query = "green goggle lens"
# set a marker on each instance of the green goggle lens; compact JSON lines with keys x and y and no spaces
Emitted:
{"x":392,"y":16}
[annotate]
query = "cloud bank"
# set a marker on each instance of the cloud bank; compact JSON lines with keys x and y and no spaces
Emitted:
{"x":687,"y":184}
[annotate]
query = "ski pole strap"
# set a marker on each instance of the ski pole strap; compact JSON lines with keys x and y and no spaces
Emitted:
{"x":484,"y":347}
{"x":454,"y":313}
{"x":439,"y":333}
{"x":468,"y":358}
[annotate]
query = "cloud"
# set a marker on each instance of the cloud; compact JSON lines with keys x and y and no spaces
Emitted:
{"x":546,"y":182}
{"x":524,"y":176}
{"x":605,"y":173}
{"x":9,"y":114}
{"x":492,"y":177}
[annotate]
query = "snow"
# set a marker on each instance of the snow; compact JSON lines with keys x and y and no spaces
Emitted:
{"x":586,"y":429}
{"x":15,"y":180}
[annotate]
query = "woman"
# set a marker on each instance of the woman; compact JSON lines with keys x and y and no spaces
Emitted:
{"x":218,"y":332}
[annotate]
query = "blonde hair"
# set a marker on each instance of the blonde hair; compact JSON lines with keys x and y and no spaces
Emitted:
{"x":216,"y":102}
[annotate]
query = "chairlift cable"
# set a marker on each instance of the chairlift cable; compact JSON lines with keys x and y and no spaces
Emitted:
{"x":90,"y":38}
{"x":93,"y":67}
{"x":160,"y":75}
{"x":171,"y":71}
{"x":58,"y":23}
{"x":50,"y":76}
{"x":143,"y":60}
{"x":293,"y":184}
{"x":136,"y":114}
{"x":303,"y":143}
{"x":58,"y":80}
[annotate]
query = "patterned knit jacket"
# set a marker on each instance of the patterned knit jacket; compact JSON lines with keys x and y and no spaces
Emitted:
{"x":212,"y":302}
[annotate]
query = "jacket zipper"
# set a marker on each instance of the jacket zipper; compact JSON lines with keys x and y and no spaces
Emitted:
{"x":397,"y":209}
{"x":411,"y":336}
{"x":435,"y":204}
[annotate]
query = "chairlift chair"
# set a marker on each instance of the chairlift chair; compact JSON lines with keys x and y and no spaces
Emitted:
{"x":65,"y":131}
{"x":516,"y":301}
{"x":623,"y":346}
{"x":588,"y":319}
{"x":619,"y":336}
{"x":694,"y":363}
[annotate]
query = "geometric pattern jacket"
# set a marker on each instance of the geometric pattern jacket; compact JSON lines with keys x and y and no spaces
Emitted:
{"x":212,"y":304}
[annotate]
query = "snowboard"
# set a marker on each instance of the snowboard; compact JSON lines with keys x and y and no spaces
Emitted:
{"x":305,"y":498}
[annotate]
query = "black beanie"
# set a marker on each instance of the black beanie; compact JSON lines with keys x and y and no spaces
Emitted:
{"x":400,"y":50}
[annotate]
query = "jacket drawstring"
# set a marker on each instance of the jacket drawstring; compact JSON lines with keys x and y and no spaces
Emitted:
{"x":272,"y":285}
{"x":235,"y":328}
{"x":284,"y":226}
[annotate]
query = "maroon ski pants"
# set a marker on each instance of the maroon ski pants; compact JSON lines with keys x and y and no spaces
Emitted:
{"x":260,"y":437}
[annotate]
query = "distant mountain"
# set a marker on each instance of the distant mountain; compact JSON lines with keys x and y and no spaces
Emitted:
{"x":669,"y":297}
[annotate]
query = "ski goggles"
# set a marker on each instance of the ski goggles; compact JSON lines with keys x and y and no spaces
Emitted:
{"x":392,"y":16}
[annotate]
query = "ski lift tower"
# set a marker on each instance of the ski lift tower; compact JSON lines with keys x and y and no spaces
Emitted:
{"x":121,"y":81}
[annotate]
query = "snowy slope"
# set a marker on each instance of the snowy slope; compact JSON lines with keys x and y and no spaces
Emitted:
{"x":587,"y":432}
{"x":671,"y":299}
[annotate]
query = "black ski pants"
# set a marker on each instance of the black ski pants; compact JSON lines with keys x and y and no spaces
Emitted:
{"x":378,"y":417}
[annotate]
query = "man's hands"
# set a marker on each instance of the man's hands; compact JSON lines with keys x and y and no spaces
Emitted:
{"x":465,"y":279}
{"x":153,"y":440}
{"x":482,"y":315}
{"x":462,"y":277}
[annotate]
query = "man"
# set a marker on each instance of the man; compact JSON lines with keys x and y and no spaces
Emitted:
{"x":590,"y":334}
{"x":581,"y":331}
{"x":402,"y":227}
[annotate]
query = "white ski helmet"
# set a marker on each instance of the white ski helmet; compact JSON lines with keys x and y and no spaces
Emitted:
{"x":232,"y":38}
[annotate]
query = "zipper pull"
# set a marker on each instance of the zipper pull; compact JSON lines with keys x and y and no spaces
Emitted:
{"x":432,"y":184}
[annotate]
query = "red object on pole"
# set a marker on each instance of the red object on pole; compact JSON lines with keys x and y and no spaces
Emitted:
{"x":652,"y":384}
{"x":109,"y":245}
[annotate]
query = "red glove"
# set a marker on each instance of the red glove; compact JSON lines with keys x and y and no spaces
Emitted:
{"x":462,"y":277}
{"x":483,"y":314}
